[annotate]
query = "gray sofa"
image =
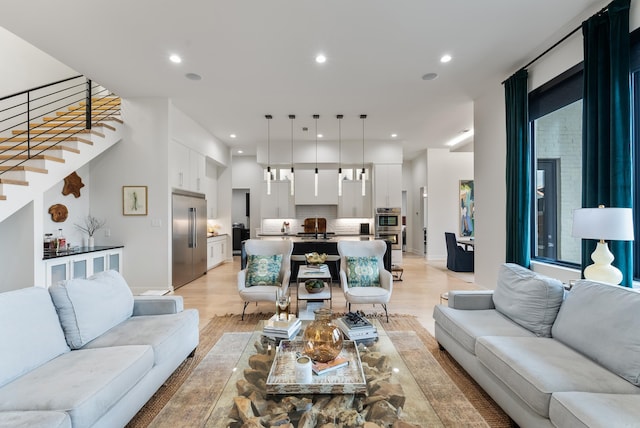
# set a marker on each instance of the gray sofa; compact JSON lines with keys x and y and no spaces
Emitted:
{"x":86,"y":352}
{"x":546,"y":356}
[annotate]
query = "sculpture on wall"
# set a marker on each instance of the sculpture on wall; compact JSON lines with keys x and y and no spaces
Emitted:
{"x":72,"y":184}
{"x":58,"y":213}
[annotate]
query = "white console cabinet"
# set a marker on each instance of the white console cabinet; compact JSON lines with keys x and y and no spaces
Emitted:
{"x":82,"y":264}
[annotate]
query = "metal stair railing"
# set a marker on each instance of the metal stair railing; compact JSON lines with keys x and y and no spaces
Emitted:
{"x":29,"y":109}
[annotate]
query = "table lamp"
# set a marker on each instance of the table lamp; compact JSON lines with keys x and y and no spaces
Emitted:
{"x":613,"y":224}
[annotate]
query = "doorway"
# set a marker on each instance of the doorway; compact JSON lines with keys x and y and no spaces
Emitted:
{"x":240,"y":217}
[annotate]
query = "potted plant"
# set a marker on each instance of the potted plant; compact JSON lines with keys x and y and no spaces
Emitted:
{"x":90,"y":227}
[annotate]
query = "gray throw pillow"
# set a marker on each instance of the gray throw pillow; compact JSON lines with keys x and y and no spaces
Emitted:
{"x":602,"y":322}
{"x":89,"y":307}
{"x":527,"y":298}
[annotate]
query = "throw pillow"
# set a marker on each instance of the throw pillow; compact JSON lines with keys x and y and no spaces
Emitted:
{"x":89,"y":307}
{"x":263,"y":270}
{"x":362,"y":271}
{"x":527,"y":298}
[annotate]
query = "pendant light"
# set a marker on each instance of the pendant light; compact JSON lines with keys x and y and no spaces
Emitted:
{"x":315,"y":179}
{"x":364,"y":191}
{"x":268,"y":117}
{"x":339,"y":154}
{"x":292,"y":117}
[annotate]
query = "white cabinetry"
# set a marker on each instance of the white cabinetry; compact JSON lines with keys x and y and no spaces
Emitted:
{"x":216,"y":251}
{"x":186,"y":168}
{"x":388,"y":185}
{"x":279,"y":204}
{"x":212,"y":189}
{"x":327,"y":187}
{"x":82,"y":265}
{"x":352,"y":203}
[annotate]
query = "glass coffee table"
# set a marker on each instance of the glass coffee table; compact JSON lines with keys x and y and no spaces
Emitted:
{"x":416,"y":408}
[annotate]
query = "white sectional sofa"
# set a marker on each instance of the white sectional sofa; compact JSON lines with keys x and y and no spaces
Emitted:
{"x":549,"y":358}
{"x":86,"y":352}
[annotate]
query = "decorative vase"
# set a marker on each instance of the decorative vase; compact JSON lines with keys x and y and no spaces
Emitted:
{"x":90,"y":242}
{"x":322,"y":339}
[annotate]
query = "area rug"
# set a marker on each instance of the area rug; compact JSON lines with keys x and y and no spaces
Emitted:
{"x":185,"y":399}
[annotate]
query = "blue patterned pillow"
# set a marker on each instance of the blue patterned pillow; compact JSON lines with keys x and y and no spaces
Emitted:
{"x":263,"y":270}
{"x":362,"y":272}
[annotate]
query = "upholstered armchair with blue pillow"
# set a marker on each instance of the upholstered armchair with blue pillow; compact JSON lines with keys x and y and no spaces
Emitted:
{"x":363,"y":277}
{"x":267,"y":271}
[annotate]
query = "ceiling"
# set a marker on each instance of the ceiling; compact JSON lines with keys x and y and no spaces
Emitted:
{"x":256,"y":57}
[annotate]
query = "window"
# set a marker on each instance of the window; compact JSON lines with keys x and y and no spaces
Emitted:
{"x":555,"y":115}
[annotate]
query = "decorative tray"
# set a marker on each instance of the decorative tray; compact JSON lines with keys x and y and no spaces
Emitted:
{"x":344,"y":380}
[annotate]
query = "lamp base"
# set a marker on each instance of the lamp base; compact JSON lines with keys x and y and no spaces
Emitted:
{"x":601,"y":269}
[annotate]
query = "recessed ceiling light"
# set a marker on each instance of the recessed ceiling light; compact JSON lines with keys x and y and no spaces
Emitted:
{"x":240,"y":152}
{"x":232,"y":135}
{"x":394,"y":135}
{"x":175,"y":59}
{"x":445,"y":58}
{"x":193,"y":76}
{"x":321,"y":59}
{"x":319,"y":135}
{"x":430,"y":76}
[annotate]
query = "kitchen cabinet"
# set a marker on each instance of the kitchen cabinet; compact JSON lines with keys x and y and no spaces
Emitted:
{"x":327,"y":187}
{"x":352,"y":204}
{"x":186,"y":168}
{"x":81,"y":264}
{"x":216,"y":251}
{"x":280,"y":203}
{"x":211,"y":178}
{"x":388,"y":185}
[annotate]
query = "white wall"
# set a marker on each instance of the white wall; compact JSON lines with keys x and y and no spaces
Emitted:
{"x":29,"y":67}
{"x":489,"y":181}
{"x":445,"y":169}
{"x":140,"y":159}
{"x":17,"y":263}
{"x":247,"y":174}
{"x":414,"y":174}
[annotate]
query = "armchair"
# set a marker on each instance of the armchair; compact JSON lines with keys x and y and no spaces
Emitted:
{"x":359,"y":294}
{"x":265,"y":293}
{"x":458,"y":259}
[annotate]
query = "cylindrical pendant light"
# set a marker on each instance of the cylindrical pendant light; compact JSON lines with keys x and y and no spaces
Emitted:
{"x":339,"y":154}
{"x":315,"y":179}
{"x":292,"y":117}
{"x":268,"y":117}
{"x":364,"y":188}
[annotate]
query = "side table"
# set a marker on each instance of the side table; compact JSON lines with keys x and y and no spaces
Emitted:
{"x":308,"y":272}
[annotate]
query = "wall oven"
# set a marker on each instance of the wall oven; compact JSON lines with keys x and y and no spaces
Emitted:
{"x":388,"y":226}
{"x":388,"y":219}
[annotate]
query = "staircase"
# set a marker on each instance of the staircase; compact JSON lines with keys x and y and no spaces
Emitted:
{"x":38,"y":153}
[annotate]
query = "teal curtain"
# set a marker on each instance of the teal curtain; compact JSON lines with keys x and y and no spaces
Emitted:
{"x":606,"y":130}
{"x":518,"y":175}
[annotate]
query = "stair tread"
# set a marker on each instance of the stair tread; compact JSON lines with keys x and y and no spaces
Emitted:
{"x":39,"y":148}
{"x":36,"y":157}
{"x":12,"y":181}
{"x":27,"y":168}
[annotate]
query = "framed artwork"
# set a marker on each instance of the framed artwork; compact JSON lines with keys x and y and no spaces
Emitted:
{"x":134,"y":200}
{"x":466,"y":208}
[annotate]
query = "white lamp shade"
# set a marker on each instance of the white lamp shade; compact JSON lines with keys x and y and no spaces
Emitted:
{"x":611,"y":224}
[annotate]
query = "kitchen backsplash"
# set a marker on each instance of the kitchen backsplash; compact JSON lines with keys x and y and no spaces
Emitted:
{"x":339,"y":226}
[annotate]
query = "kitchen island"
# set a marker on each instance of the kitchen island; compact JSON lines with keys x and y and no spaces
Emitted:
{"x":308,"y":244}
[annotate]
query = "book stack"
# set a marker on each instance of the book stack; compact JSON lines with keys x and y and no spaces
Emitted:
{"x":277,"y":328}
{"x":322,"y":368}
{"x":356,"y":327}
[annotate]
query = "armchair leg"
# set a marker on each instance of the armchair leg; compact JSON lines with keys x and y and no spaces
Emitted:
{"x":349,"y":306}
{"x":244,"y":309}
{"x":385,"y":311}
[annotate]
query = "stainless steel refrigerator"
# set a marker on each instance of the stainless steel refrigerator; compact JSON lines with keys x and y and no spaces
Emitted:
{"x":189,"y":243}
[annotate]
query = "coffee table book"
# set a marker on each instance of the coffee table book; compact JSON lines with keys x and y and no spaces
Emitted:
{"x":284,"y":329}
{"x":348,"y":379}
{"x":358,"y":334}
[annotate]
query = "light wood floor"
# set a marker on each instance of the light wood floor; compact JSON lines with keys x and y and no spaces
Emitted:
{"x":422,"y":284}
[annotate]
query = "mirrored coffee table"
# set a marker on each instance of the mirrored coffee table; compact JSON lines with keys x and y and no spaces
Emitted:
{"x":416,"y":409}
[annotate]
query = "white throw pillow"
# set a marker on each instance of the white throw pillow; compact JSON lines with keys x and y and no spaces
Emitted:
{"x":89,"y":307}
